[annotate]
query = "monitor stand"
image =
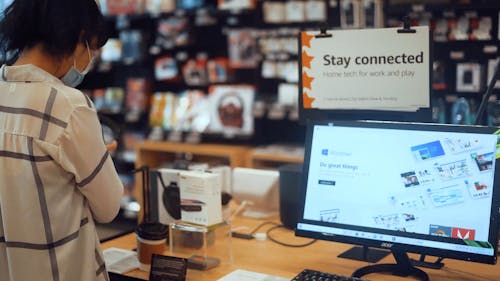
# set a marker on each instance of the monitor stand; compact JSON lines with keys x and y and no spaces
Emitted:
{"x":364,"y":253}
{"x":402,"y":267}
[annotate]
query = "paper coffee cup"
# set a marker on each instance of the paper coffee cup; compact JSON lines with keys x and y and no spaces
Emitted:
{"x":151,"y":239}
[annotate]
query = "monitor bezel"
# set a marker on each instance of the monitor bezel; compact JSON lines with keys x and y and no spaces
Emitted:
{"x":494,"y":214}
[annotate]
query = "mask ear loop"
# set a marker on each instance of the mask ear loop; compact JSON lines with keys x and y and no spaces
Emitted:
{"x":91,"y":58}
{"x":88,"y":49}
{"x":88,"y":52}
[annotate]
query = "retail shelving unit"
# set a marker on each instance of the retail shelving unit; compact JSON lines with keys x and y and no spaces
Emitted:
{"x":154,"y":153}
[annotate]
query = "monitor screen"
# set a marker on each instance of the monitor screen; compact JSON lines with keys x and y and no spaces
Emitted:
{"x":407,"y":187}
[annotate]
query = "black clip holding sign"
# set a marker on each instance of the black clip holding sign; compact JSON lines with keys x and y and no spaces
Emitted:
{"x":322,"y":31}
{"x":406,"y":26}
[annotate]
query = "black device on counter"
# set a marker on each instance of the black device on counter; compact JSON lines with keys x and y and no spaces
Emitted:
{"x":290,"y":177}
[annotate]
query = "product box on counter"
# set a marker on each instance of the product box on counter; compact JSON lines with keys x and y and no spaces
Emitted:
{"x":200,"y":197}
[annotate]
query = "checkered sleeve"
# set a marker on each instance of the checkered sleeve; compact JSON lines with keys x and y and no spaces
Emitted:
{"x":83,"y":153}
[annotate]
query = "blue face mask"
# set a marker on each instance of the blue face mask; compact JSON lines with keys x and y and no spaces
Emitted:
{"x":74,"y":77}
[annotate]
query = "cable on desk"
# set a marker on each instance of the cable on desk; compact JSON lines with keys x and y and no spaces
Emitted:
{"x":250,"y":235}
{"x":286,"y":244}
{"x":261,"y":225}
{"x":275,"y":226}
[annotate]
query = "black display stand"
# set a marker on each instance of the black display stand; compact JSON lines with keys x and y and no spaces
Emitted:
{"x":422,"y":263}
{"x":364,"y":253}
{"x":403,"y":267}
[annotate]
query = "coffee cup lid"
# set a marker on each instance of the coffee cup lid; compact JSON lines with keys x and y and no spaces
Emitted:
{"x":152,"y":231}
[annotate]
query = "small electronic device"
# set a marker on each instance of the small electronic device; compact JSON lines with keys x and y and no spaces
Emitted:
{"x":202,"y":263}
{"x":259,"y":188}
{"x":429,"y":189}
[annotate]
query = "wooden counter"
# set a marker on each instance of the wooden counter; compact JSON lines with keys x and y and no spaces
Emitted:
{"x":270,"y":258}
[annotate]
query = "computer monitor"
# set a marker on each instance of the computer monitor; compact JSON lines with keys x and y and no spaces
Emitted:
{"x":418,"y":188}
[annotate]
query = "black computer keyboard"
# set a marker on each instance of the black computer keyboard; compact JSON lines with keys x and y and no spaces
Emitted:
{"x":314,"y":275}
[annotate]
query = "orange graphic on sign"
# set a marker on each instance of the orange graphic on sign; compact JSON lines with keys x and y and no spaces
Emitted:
{"x":306,"y":59}
{"x":307,"y":100}
{"x":306,"y":40}
{"x":307,"y":80}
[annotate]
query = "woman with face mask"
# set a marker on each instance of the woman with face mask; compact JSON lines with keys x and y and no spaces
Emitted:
{"x":56,"y":174}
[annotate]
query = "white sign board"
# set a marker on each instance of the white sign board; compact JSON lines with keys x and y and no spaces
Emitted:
{"x":369,"y":69}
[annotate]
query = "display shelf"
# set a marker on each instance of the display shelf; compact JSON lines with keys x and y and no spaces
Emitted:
{"x":273,"y":156}
{"x":435,"y":6}
{"x":155,"y":153}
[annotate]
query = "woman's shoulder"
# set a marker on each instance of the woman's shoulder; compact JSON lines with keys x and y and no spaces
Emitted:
{"x":71,"y":97}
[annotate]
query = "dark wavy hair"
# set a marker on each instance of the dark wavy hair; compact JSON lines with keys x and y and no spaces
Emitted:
{"x":58,"y":25}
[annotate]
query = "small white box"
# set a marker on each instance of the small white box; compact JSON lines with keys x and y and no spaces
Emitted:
{"x":200,"y":195}
{"x":258,"y":187}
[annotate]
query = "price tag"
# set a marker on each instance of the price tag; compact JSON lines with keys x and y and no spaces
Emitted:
{"x":490,"y":49}
{"x":457,"y":55}
{"x":418,"y":8}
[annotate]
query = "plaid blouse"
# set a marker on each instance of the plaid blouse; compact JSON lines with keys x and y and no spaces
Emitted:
{"x":56,"y":178}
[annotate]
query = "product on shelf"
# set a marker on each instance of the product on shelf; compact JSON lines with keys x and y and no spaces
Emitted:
{"x":167,"y":109}
{"x":194,"y":72}
{"x":439,"y":75}
{"x":132,"y":46}
{"x":350,"y":14}
{"x":480,"y":28}
{"x":196,"y":115}
{"x":460,"y":112}
{"x":274,"y":12}
{"x":113,"y":100}
{"x":218,"y":70}
{"x":288,"y":94}
{"x":458,"y":29}
{"x":438,"y":110}
{"x":187,"y":111}
{"x":158,"y":103}
{"x":118,"y":7}
{"x":440,"y":31}
{"x":372,"y":14}
{"x":235,"y":4}
{"x":242,"y":48}
{"x":289,"y":71}
{"x":231,"y":109}
{"x":137,"y":100}
{"x":295,"y":11}
{"x":315,"y":11}
{"x":469,"y":77}
{"x":189,"y":4}
{"x":112,"y":50}
{"x":166,"y":68}
{"x":173,"y":32}
{"x":269,"y":69}
{"x":160,"y":6}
